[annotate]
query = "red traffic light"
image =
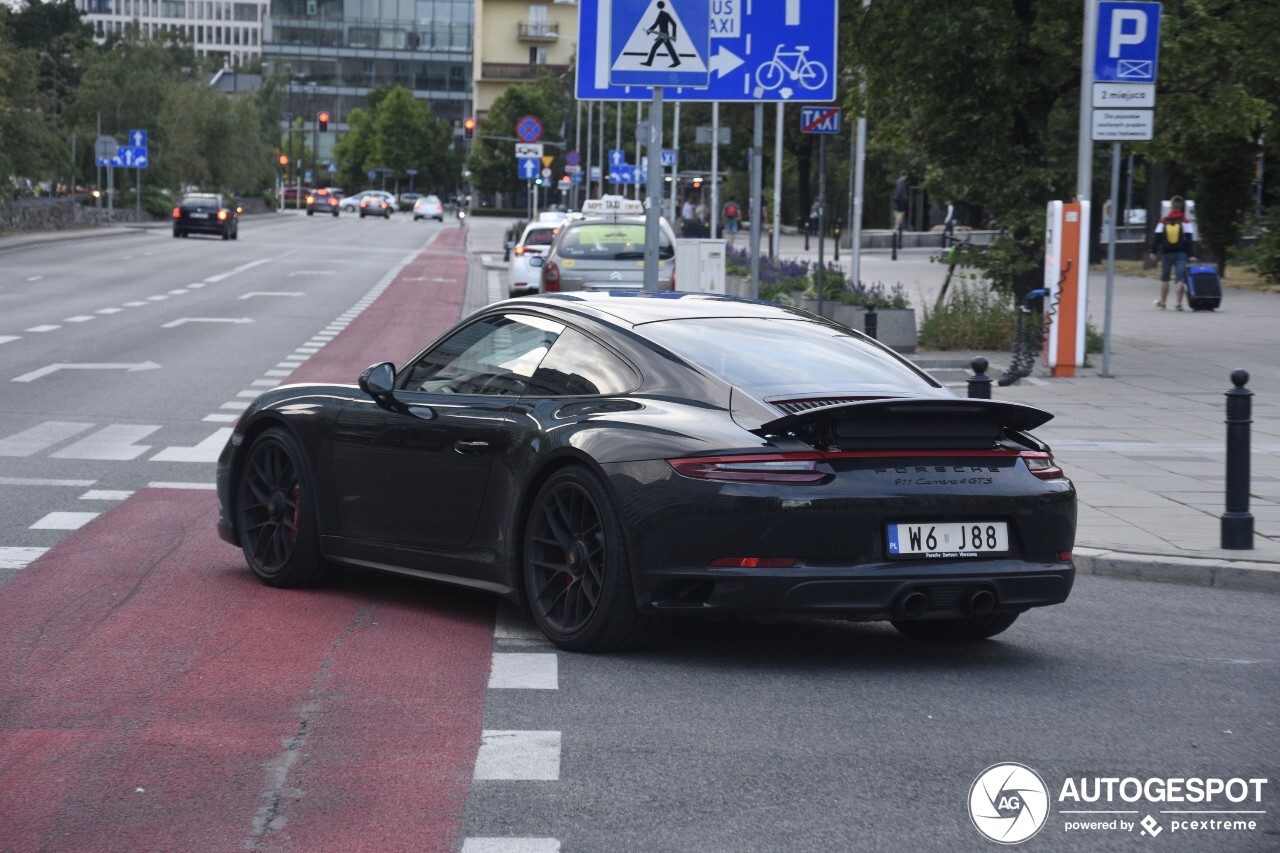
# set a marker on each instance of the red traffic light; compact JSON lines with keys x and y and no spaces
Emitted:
{"x":322,"y":119}
{"x":469,"y":127}
{"x":284,"y":160}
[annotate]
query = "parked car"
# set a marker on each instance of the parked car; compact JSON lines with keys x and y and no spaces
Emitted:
{"x":524,"y":277}
{"x":428,"y":206}
{"x":206,"y":213}
{"x":322,"y":201}
{"x":612,"y":460}
{"x":377,"y":204}
{"x":603,"y":249}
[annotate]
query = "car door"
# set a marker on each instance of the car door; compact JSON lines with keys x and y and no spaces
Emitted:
{"x":414,"y":473}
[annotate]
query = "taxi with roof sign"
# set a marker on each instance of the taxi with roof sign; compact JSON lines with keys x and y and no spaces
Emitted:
{"x":602,"y":248}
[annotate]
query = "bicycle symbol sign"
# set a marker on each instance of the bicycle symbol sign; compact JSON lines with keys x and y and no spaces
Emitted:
{"x":767,"y":50}
{"x":529,"y":129}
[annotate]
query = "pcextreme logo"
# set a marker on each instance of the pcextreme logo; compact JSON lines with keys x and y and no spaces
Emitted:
{"x":1009,"y":803}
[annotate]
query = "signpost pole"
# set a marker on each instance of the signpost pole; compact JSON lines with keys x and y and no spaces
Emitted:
{"x":1111,"y":256}
{"x":591,"y":111}
{"x":757,"y":166}
{"x":715,"y":169}
{"x":653,"y":201}
{"x":775,"y":244}
{"x":1084,"y":154}
{"x":577,"y":146}
{"x":820,"y":273}
{"x":675,"y":170}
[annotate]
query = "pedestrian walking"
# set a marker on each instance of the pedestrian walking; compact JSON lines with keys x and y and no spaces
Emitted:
{"x":901,"y":198}
{"x":1173,"y":242}
{"x":949,"y":225}
{"x":731,"y":213}
{"x":688,"y":227}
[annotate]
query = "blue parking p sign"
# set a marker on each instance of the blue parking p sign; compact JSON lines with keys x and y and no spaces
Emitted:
{"x":1127,"y":49}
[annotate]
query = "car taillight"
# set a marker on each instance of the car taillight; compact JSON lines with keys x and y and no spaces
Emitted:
{"x":753,"y":563}
{"x":333,"y":200}
{"x":1041,"y":465}
{"x":550,"y":278}
{"x":519,"y":250}
{"x":222,"y":214}
{"x":673,"y":278}
{"x":364,"y":202}
{"x":311,"y":199}
{"x":751,"y":469}
{"x":177,"y":213}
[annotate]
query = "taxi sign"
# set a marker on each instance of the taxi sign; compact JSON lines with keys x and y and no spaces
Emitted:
{"x":613,"y":204}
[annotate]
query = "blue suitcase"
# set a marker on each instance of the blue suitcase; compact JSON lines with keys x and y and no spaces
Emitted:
{"x":1204,"y":289}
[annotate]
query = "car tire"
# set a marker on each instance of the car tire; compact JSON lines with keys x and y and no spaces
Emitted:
{"x":226,"y":233}
{"x":362,"y":214}
{"x":576,"y":568}
{"x":309,"y":212}
{"x":956,"y":630}
{"x":176,"y":233}
{"x":276,"y":514}
{"x":235,"y":235}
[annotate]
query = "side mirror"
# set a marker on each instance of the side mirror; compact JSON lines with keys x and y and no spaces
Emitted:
{"x":536,"y":261}
{"x":379,"y":380}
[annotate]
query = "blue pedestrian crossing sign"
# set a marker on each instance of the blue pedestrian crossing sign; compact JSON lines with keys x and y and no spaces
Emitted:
{"x":1127,"y":49}
{"x":659,"y":42}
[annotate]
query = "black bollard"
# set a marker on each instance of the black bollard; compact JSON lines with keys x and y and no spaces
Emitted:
{"x":1237,"y":521}
{"x":838,"y":221}
{"x":979,"y":382}
{"x":870,"y":325}
{"x":806,"y":235}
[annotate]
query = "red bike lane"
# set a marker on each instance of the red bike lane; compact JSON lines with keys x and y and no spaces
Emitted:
{"x":155,"y":696}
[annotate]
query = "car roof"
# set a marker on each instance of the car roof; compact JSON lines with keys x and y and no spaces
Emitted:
{"x":636,"y":308}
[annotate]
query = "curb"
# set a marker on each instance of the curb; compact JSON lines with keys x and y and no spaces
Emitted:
{"x":1241,"y":575}
{"x":22,"y":241}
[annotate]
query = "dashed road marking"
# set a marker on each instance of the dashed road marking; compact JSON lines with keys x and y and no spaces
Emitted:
{"x":206,"y":451}
{"x":524,"y":671}
{"x":518,"y":756}
{"x":40,"y":437}
{"x":105,"y":495}
{"x":111,"y":442}
{"x":64,"y":521}
{"x":511,"y":845}
{"x":19,"y":558}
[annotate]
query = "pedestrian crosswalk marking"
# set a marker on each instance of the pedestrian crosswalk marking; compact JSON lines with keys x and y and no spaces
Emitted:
{"x":206,"y":451}
{"x":659,"y":41}
{"x":111,"y":442}
{"x":40,"y":437}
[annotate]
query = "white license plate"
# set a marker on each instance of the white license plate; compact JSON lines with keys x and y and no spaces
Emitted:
{"x":199,"y":216}
{"x":948,"y":539}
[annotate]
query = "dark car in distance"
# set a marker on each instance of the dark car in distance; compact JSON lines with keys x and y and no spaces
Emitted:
{"x":206,"y":213}
{"x":613,"y":459}
{"x":322,"y":201}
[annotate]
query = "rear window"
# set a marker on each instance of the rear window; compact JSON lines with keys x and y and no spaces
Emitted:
{"x":540,"y":237}
{"x":611,"y":241}
{"x":200,"y":203}
{"x":772,"y":356}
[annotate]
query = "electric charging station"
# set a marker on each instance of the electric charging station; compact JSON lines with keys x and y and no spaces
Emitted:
{"x":1066,"y":282}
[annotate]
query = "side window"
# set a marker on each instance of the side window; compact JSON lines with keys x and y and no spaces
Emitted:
{"x":496,"y":356}
{"x":578,"y":366}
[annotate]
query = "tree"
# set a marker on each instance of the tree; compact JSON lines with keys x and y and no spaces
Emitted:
{"x":492,"y":161}
{"x":354,"y":150}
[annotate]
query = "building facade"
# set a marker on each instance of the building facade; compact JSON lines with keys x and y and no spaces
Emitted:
{"x":231,"y":29}
{"x":516,"y":40}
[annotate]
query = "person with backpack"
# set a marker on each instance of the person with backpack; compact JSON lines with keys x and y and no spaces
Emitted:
{"x":1174,"y":244}
{"x":732,"y":216}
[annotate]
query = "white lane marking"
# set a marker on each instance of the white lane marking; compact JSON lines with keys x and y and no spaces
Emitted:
{"x":19,"y":558}
{"x":191,"y":486}
{"x":79,"y":318}
{"x":254,"y":293}
{"x":54,"y":368}
{"x":45,"y":328}
{"x":524,"y":671}
{"x":64,"y":521}
{"x":252,"y":395}
{"x":35,"y":278}
{"x":264,"y":383}
{"x":220,"y":419}
{"x":156,"y":298}
{"x":39,"y":437}
{"x":134,"y":304}
{"x":511,"y":845}
{"x":237,"y":405}
{"x":307,"y":350}
{"x":111,"y":442}
{"x":108,"y":311}
{"x":518,"y":755}
{"x":4,"y":339}
{"x":179,"y":292}
{"x":105,"y":495}
{"x":32,"y":481}
{"x":214,"y":279}
{"x":280,"y":373}
{"x":296,"y":273}
{"x":289,"y":365}
{"x":195,"y":285}
{"x":181,"y":320}
{"x":206,"y":451}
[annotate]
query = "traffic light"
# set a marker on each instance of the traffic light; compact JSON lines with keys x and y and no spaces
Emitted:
{"x":469,"y":128}
{"x":322,"y":119}
{"x":284,"y":160}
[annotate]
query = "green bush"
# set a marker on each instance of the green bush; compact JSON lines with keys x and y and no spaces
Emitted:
{"x":974,"y":317}
{"x":1265,"y":256}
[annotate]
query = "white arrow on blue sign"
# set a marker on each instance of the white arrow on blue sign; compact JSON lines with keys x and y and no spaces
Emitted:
{"x":127,"y":157}
{"x":617,"y":156}
{"x":138,"y":138}
{"x":1127,"y":49}
{"x":528,"y":168}
{"x":766,"y":50}
{"x":622,"y":173}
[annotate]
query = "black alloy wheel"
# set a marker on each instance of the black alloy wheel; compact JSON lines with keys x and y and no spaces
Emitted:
{"x":275,"y":514}
{"x":576,"y":570}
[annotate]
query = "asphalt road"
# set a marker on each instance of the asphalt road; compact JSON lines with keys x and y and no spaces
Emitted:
{"x":156,"y":697}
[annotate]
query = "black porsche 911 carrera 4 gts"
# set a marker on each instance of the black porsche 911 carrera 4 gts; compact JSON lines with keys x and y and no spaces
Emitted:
{"x":613,"y":459}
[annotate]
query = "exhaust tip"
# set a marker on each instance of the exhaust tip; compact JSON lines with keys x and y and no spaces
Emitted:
{"x":981,"y":603}
{"x":913,"y":604}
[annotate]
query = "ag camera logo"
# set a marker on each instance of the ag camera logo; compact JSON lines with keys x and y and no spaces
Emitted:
{"x":1008,"y":803}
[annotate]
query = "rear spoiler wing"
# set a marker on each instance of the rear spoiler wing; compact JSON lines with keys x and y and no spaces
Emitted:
{"x":915,"y":417}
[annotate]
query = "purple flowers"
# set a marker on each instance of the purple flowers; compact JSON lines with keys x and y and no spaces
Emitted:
{"x":780,"y":276}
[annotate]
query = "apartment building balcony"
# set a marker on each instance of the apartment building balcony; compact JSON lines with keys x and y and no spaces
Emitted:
{"x":502,"y":71}
{"x":541,"y":31}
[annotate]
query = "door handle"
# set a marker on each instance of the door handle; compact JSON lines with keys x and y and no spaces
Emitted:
{"x":471,"y":447}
